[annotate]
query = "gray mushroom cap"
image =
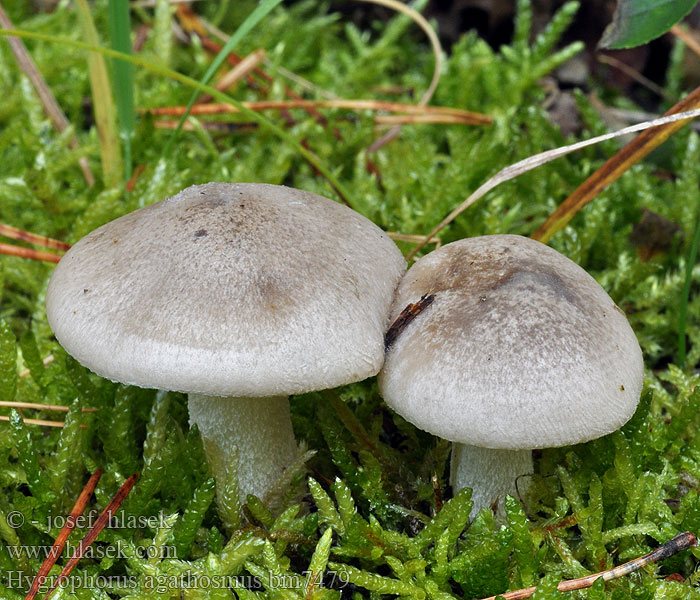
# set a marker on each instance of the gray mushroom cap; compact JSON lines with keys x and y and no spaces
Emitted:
{"x":520,"y":348}
{"x":229,"y":289}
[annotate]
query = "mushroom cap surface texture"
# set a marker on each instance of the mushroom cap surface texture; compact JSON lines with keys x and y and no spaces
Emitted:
{"x":520,"y":348}
{"x":229,"y":290}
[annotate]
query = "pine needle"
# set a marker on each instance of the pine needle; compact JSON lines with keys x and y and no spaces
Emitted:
{"x":66,"y":530}
{"x":100,"y":523}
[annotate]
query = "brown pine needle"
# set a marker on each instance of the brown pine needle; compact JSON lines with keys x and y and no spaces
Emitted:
{"x":26,"y":236}
{"x":51,"y":108}
{"x":40,"y":422}
{"x":192,"y":23}
{"x":60,"y":542}
{"x":613,"y":62}
{"x":667,"y":125}
{"x":686,"y":38}
{"x":47,"y":361}
{"x":412,"y":238}
{"x":28,"y":253}
{"x":427,"y":118}
{"x":207,"y":125}
{"x":101,"y":522}
{"x":681,"y":542}
{"x":241,"y":70}
{"x":614,"y":167}
{"x":413,"y":109}
{"x":38,"y":406}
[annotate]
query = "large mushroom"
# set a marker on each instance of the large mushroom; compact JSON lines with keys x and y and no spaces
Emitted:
{"x":503,"y":345}
{"x":238,"y":294}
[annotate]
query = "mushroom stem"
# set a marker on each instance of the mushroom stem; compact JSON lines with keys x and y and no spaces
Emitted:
{"x":258,"y":430}
{"x":490,"y":473}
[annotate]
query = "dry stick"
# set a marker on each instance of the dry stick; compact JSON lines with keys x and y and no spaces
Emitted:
{"x":207,"y":125}
{"x":66,"y":530}
{"x":681,"y":542}
{"x":39,"y":406}
{"x":41,"y":422}
{"x":409,"y":237}
{"x":615,"y":166}
{"x":537,"y":160}
{"x":436,"y":119}
{"x":28,"y":253}
{"x":298,"y":79}
{"x":192,"y":23}
{"x":240,"y":71}
{"x":686,"y":38}
{"x":101,"y":522}
{"x":248,"y":64}
{"x":51,"y":108}
{"x":413,"y":109}
{"x":235,"y":59}
{"x":634,"y":74}
{"x":32,"y":238}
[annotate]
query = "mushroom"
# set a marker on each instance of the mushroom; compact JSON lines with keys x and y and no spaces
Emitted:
{"x":239,"y":295}
{"x":503,"y":345}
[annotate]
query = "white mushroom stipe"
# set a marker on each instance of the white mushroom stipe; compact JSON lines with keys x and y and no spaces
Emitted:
{"x":490,"y":473}
{"x":519,"y":348}
{"x":259,"y":431}
{"x":230,"y":290}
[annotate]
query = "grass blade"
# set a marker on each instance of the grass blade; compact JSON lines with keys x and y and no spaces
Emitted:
{"x":251,"y":21}
{"x":614,"y":167}
{"x":120,"y":36}
{"x":103,"y":104}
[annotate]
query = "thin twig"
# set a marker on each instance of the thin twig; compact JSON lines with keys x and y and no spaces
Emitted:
{"x":412,"y":238}
{"x":192,"y":22}
{"x":51,"y":108}
{"x":39,"y":406}
{"x":298,"y":79}
{"x":686,"y":38}
{"x":615,"y":63}
{"x":430,"y":118}
{"x":26,"y":236}
{"x":101,"y":522}
{"x":41,"y":422}
{"x":11,"y":250}
{"x":240,"y":71}
{"x":681,"y":542}
{"x":153,"y":3}
{"x":66,"y":530}
{"x":208,"y":125}
{"x":412,"y":109}
{"x":248,"y":64}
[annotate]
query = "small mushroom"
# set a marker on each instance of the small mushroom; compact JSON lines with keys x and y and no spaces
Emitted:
{"x":238,"y":294}
{"x":518,"y":348}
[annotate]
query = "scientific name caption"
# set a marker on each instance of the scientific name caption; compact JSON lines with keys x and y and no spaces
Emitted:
{"x":188,"y":580}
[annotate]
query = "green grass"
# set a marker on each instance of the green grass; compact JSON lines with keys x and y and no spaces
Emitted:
{"x":365,"y":514}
